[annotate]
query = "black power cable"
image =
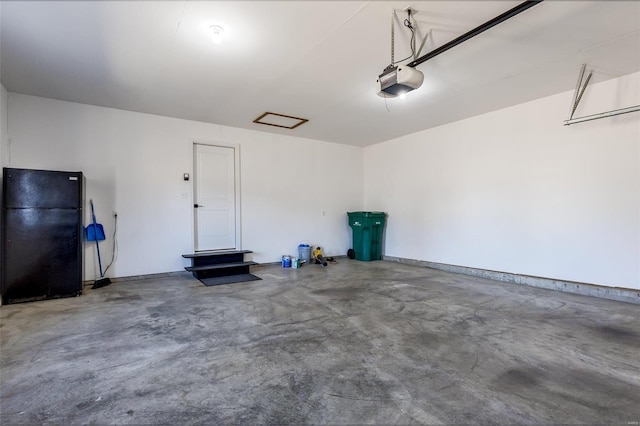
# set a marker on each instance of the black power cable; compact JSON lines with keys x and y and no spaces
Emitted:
{"x":115,"y":243}
{"x":412,"y":43}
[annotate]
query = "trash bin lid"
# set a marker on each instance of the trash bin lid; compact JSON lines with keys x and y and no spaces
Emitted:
{"x":366,"y":214}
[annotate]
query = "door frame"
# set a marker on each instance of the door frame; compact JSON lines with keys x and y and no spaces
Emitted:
{"x":237,"y":188}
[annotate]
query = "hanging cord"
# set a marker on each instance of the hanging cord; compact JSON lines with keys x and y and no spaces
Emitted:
{"x":115,"y":243}
{"x":412,"y":43}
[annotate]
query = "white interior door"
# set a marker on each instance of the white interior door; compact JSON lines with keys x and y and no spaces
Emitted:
{"x":214,"y":197}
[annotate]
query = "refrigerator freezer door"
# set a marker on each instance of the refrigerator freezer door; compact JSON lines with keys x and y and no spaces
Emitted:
{"x":42,"y":254}
{"x":42,"y":189}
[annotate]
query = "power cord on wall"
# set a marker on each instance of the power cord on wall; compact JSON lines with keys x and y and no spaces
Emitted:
{"x":115,"y":242}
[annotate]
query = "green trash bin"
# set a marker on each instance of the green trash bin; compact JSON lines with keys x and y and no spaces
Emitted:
{"x":367,"y":234}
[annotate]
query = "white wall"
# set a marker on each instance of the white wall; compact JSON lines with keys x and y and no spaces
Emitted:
{"x":516,"y":191}
{"x":4,"y":138}
{"x":134,"y":164}
{"x":512,"y":190}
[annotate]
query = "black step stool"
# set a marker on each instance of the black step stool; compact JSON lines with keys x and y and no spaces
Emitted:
{"x":218,"y":263}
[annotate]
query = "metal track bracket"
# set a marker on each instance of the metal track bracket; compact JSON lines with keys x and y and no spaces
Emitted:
{"x":581,"y":86}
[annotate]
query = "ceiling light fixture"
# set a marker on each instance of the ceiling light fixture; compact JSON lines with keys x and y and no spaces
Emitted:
{"x":216,"y":32}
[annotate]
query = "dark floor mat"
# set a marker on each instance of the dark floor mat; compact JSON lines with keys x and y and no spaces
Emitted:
{"x":229,"y":279}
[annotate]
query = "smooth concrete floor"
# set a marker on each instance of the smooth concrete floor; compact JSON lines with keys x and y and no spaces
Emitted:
{"x":352,"y":343}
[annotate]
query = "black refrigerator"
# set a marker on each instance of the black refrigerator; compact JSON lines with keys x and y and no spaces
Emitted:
{"x":42,"y":234}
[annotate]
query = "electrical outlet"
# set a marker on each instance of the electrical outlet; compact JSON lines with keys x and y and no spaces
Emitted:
{"x":185,"y":195}
{"x":115,"y":213}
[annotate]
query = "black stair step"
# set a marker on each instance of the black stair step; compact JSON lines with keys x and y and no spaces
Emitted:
{"x":219,"y":266}
{"x":215,"y":253}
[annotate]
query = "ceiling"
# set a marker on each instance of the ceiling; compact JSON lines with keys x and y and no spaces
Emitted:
{"x":317,"y":60}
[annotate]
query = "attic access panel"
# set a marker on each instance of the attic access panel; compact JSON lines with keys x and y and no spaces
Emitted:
{"x":280,"y":120}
